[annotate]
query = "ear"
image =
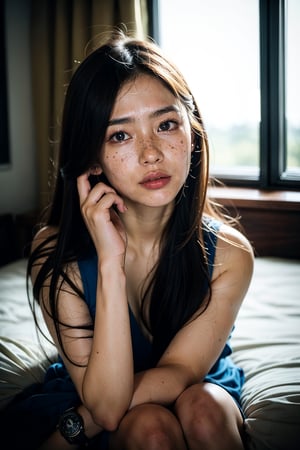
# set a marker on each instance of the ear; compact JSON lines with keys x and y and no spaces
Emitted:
{"x":96,"y":169}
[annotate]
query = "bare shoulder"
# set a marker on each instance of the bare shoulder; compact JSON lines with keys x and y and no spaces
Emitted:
{"x":43,"y":236}
{"x":234,"y":254}
{"x":42,"y":245}
{"x":42,"y":241}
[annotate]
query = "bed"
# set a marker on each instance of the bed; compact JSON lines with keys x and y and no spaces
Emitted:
{"x":266,"y":343}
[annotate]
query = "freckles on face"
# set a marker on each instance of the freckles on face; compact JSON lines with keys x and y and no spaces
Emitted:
{"x":115,"y":165}
{"x":149,"y":131}
{"x":185,"y":153}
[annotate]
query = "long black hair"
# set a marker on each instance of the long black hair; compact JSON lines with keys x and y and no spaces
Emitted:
{"x":179,"y":283}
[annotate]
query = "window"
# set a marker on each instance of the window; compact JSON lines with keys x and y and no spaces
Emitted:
{"x":292,"y":87}
{"x":240,"y":59}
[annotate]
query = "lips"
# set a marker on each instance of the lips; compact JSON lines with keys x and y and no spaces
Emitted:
{"x":155,"y":180}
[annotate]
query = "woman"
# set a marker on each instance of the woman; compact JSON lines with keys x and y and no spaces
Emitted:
{"x":138,"y":278}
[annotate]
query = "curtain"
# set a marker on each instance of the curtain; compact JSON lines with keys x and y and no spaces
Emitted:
{"x":61,"y":30}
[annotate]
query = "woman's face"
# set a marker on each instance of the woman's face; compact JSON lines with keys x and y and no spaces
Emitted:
{"x":147,"y":148}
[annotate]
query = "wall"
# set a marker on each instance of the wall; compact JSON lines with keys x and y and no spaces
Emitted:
{"x":18,"y":187}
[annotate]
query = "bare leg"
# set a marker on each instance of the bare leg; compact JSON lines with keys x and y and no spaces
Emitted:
{"x":210,"y":418}
{"x":148,"y":427}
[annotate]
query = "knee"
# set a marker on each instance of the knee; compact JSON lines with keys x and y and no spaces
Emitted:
{"x":149,"y":427}
{"x":151,"y":435}
{"x":200,"y":415}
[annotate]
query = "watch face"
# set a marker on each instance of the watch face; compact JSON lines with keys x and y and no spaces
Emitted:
{"x":71,"y":424}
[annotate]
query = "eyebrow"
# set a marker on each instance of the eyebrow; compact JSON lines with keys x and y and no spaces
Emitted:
{"x":154,"y":114}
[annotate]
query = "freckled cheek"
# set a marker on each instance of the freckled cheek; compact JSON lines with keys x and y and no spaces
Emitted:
{"x":185,"y":153}
{"x":116,"y":164}
{"x":181,"y":150}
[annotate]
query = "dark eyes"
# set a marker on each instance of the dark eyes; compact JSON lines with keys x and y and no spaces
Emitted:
{"x":122,"y":136}
{"x":168,"y":125}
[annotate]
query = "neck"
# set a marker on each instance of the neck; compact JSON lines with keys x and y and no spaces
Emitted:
{"x":144,"y":227}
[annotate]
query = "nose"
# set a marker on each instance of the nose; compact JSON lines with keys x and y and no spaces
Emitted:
{"x":150,"y":153}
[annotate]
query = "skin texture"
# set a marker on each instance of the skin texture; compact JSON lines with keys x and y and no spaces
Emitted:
{"x":146,"y":157}
{"x":148,"y":144}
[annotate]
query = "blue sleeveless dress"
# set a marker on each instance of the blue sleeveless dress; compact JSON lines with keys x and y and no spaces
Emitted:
{"x":41,"y":405}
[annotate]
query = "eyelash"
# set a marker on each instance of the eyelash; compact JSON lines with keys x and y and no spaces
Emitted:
{"x":172,"y":122}
{"x":114,"y":135}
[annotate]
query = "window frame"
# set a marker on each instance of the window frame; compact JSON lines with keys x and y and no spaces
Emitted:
{"x":272,"y":131}
{"x":5,"y":158}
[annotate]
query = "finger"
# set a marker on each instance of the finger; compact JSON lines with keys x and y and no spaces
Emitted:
{"x":111,"y":199}
{"x":99,"y":191}
{"x":121,"y":206}
{"x":83,"y":187}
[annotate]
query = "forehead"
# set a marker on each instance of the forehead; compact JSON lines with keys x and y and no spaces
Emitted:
{"x":144,"y":91}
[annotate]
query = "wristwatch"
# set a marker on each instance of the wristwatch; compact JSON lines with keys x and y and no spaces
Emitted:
{"x":71,"y":427}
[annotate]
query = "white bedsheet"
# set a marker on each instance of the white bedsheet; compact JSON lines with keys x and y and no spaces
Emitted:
{"x":22,"y":360}
{"x":266,"y":343}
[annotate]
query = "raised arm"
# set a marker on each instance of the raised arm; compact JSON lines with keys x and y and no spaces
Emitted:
{"x":103,"y":373}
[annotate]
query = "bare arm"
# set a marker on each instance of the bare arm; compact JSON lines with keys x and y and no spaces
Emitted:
{"x":108,"y":353}
{"x":196,"y":347}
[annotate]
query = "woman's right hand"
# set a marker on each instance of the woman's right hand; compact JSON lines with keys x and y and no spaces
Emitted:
{"x":102,"y":220}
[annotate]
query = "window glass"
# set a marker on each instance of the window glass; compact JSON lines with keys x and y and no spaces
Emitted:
{"x":292,"y":78}
{"x":216,"y":46}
